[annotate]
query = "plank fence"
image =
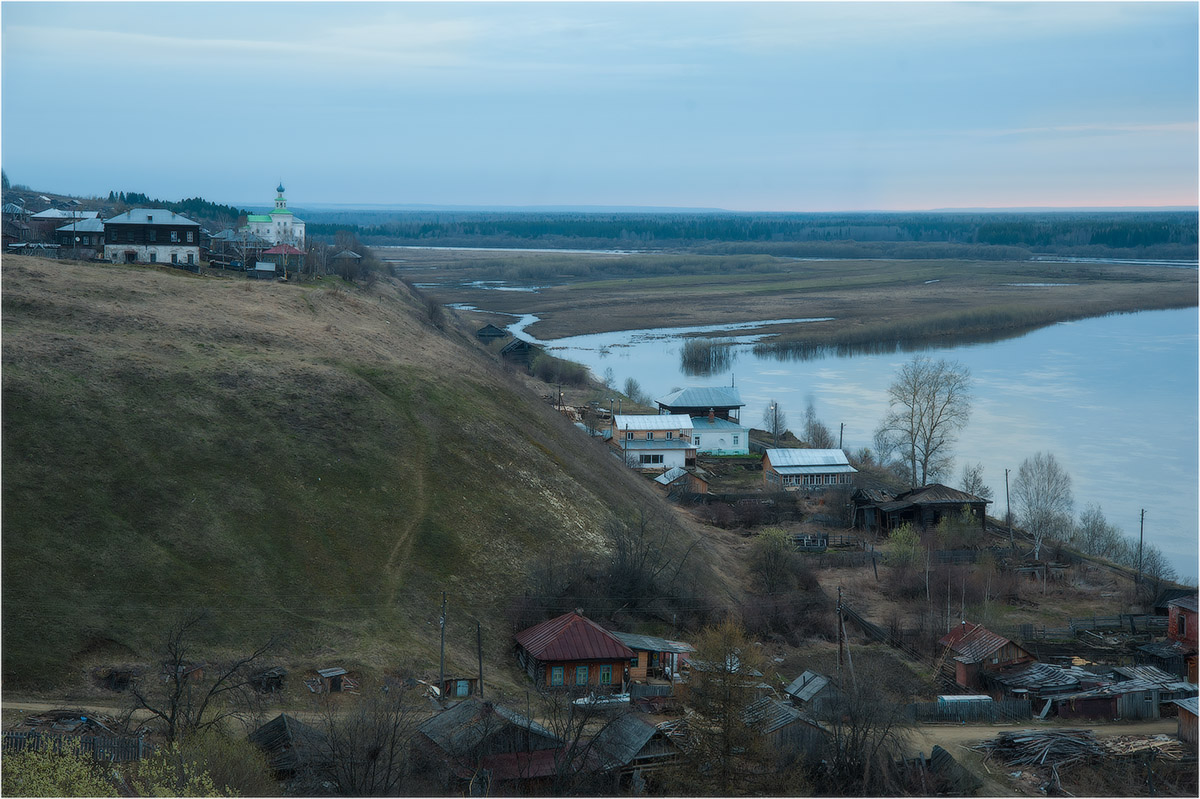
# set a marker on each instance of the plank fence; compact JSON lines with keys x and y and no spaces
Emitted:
{"x":638,"y":691}
{"x":963,"y":712}
{"x":101,"y":747}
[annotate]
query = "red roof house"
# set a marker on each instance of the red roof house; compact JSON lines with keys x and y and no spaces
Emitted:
{"x":976,"y":649}
{"x":571,"y":651}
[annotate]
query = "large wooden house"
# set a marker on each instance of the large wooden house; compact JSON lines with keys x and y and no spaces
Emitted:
{"x":920,"y":507}
{"x":151,"y":235}
{"x":654,"y":441}
{"x":573,"y":652}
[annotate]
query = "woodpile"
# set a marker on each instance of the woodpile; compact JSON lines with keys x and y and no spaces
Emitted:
{"x":1044,"y":748}
{"x":1165,"y":746}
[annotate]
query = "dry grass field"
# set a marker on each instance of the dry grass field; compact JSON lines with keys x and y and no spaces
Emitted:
{"x":584,"y":293}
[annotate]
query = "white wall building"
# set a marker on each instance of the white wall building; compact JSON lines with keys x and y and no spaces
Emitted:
{"x":715,"y":436}
{"x":657,"y":441}
{"x":280,"y":226}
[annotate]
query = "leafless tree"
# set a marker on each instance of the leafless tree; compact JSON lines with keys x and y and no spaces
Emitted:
{"x":642,"y":564}
{"x":365,"y":746}
{"x":189,"y":696}
{"x":930,"y":401}
{"x":1042,"y":494}
{"x":774,"y":421}
{"x":1095,"y":535}
{"x":816,"y":434}
{"x":972,"y":483}
{"x":866,"y":737}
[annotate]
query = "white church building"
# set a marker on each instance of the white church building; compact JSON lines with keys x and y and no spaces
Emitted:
{"x":280,"y":226}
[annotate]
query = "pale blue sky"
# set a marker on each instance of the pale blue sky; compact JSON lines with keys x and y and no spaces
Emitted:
{"x":747,"y":106}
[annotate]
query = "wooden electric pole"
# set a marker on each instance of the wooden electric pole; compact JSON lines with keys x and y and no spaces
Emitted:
{"x":479,"y":649}
{"x":442,"y":658}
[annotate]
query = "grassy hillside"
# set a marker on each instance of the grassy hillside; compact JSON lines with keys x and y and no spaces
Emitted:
{"x":311,"y":462}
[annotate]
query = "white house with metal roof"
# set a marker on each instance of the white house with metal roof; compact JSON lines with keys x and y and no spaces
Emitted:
{"x":713,"y":435}
{"x":280,"y":226}
{"x":151,"y":235}
{"x":654,"y":441}
{"x":807,"y":468}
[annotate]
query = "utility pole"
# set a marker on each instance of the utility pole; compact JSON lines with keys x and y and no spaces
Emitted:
{"x":442,"y":658}
{"x":1008,"y":511}
{"x":841,"y":432}
{"x":839,"y":638}
{"x":479,"y":648}
{"x":775,"y":424}
{"x":1141,"y":540}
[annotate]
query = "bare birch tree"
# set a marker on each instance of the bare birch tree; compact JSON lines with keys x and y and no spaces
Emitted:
{"x":1042,"y":494}
{"x":774,"y":421}
{"x":930,"y":401}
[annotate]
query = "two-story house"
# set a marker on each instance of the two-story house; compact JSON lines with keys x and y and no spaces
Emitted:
{"x":151,"y":235}
{"x":654,"y":441}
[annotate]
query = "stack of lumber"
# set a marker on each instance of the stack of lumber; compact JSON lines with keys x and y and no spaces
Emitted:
{"x":1044,"y":747}
{"x":1164,"y":746}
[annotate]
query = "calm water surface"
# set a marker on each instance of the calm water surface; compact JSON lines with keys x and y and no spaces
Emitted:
{"x":1114,"y":398}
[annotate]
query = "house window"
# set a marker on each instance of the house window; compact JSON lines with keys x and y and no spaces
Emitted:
{"x":697,"y":441}
{"x":606,"y":674}
{"x":581,"y":675}
{"x":735,"y":441}
{"x":174,"y":257}
{"x":628,"y":436}
{"x":650,"y":460}
{"x":152,"y":235}
{"x":670,"y":435}
{"x":556,"y":675}
{"x":191,"y":236}
{"x":650,"y":436}
{"x":153,"y":257}
{"x":1182,"y":626}
{"x":174,"y":235}
{"x":190,"y":257}
{"x":87,"y":240}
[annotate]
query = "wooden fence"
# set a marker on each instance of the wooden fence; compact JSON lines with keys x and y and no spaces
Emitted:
{"x":114,"y":749}
{"x":638,"y":691}
{"x":962,"y":712}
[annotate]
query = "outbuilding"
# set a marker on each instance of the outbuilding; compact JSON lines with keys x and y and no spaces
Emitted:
{"x":789,"y":469}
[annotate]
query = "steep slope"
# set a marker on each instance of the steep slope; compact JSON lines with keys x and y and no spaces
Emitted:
{"x":309,"y":462}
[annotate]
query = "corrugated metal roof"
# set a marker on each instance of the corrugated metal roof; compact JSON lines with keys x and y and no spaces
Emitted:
{"x":572,"y":637}
{"x":1046,"y":677}
{"x":935,"y":493}
{"x":335,"y":671}
{"x":768,"y":714}
{"x":622,"y":738}
{"x":150,"y":216}
{"x":807,"y":457}
{"x":461,"y":728}
{"x":54,"y":213}
{"x":1185,"y":602}
{"x":93,"y":225}
{"x":668,"y":477}
{"x":653,"y":421}
{"x":816,"y":470}
{"x":716,"y":397}
{"x":973,"y":642}
{"x":1191,"y":705}
{"x":807,"y":685}
{"x":283,"y":249}
{"x":1147,"y":673}
{"x":650,"y":643}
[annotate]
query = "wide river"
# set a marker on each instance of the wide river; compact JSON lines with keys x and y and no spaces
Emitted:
{"x":1114,"y":399}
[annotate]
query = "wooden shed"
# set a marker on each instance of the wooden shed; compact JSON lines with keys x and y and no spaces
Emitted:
{"x":489,"y":332}
{"x":654,"y":658}
{"x":1188,"y":711}
{"x":520,"y":351}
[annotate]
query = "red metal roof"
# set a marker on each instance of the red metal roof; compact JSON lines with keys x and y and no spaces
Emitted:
{"x":973,"y":642}
{"x":572,"y":637}
{"x":283,"y":249}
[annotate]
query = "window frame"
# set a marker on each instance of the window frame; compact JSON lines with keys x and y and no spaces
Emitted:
{"x":581,"y":671}
{"x":606,"y":674}
{"x":557,"y":675}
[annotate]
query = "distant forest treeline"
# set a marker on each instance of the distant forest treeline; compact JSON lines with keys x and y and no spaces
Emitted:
{"x":1152,"y":234}
{"x":196,"y":207}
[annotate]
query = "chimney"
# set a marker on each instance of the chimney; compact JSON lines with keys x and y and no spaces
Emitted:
{"x":578,"y":611}
{"x":712,"y":414}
